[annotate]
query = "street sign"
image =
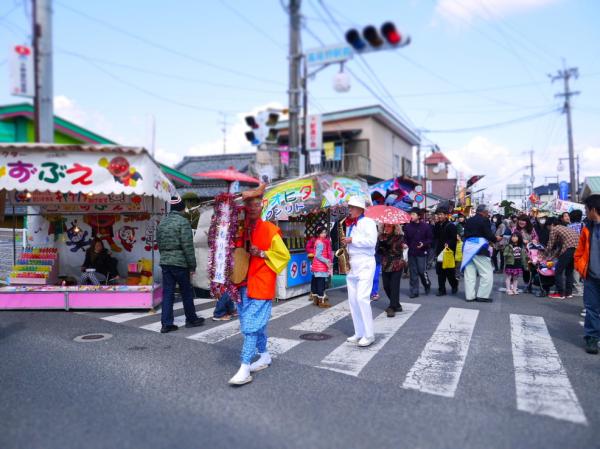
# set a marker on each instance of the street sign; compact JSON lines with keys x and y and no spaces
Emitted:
{"x":329,"y":54}
{"x":314,"y":132}
{"x":21,"y":71}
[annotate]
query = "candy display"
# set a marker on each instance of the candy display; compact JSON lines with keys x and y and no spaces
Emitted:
{"x":37,"y":266}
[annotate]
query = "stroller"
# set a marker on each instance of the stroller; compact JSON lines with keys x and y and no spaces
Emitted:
{"x":543,"y":270}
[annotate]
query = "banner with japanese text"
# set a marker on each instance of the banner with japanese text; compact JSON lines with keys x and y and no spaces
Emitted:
{"x":87,"y":172}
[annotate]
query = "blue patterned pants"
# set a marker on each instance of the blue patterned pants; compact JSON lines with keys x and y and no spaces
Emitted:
{"x":254,"y":316}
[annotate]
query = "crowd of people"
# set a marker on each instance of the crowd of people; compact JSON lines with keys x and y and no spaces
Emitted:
{"x":478,"y":247}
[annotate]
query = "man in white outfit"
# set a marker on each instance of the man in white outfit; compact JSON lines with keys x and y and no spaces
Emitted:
{"x":361,"y":239}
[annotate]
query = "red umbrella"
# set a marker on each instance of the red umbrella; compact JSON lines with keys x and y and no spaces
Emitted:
{"x":388,"y":215}
{"x":230,"y":175}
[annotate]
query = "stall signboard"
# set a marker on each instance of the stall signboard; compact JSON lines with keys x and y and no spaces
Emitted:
{"x":298,"y":270}
{"x":95,"y":172}
{"x":290,"y":198}
{"x":314,"y":133}
{"x":341,"y":189}
{"x":561,"y":206}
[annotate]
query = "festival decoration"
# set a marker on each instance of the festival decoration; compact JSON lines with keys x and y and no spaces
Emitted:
{"x":127,"y":237}
{"x":102,"y":228}
{"x":77,"y":238}
{"x":221,"y":234}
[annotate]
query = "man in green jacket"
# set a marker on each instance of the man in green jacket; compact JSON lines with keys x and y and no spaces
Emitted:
{"x":178,"y":264}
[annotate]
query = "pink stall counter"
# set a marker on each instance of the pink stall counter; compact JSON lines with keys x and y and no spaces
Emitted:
{"x":82,"y":297}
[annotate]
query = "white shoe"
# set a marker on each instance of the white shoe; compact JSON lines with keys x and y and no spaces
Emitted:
{"x":366,"y":341}
{"x":354,"y":339}
{"x":582,"y":313}
{"x":242,"y":377}
{"x":263,"y":362}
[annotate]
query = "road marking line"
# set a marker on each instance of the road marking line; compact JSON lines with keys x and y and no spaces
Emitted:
{"x":277,"y":346}
{"x":325,"y":319}
{"x":220,"y":333}
{"x":438,"y":368}
{"x":178,"y":321}
{"x":543,"y":387}
{"x":350,"y":359}
{"x":123,"y":317}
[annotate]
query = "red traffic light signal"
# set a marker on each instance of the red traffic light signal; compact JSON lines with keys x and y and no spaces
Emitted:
{"x":372,"y":40}
{"x":388,"y":29}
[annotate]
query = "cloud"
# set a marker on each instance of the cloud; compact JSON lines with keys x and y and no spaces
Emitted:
{"x":504,"y":165}
{"x":468,"y":10}
{"x":94,"y":121}
{"x":236,"y":139}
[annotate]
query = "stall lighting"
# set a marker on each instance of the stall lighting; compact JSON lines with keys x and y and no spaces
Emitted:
{"x":28,"y":195}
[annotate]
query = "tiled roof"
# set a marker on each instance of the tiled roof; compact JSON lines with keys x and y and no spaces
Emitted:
{"x":436,"y":158}
{"x":194,"y":164}
{"x":591,"y":186}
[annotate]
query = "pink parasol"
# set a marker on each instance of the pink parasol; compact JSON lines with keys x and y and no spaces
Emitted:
{"x":387,"y":215}
{"x":230,"y":174}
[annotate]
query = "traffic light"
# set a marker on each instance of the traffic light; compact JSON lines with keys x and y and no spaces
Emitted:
{"x":387,"y":38}
{"x":271,"y":132}
{"x":252,"y":136}
{"x":263,"y":127}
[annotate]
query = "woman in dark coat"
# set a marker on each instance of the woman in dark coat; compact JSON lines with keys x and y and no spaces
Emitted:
{"x":98,"y":265}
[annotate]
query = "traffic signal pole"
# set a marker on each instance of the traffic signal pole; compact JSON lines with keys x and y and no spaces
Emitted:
{"x":42,"y":53}
{"x":565,"y":75}
{"x":294,"y":88}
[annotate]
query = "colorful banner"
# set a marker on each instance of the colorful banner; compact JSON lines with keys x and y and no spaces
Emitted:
{"x":329,"y":148}
{"x":338,"y":153}
{"x":342,"y":189}
{"x":298,"y":270}
{"x":285,"y":157}
{"x":222,"y":245}
{"x":295,"y":193}
{"x":86,"y":172}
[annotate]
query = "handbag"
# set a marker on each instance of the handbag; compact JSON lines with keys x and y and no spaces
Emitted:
{"x":241,"y":262}
{"x":448,"y":259}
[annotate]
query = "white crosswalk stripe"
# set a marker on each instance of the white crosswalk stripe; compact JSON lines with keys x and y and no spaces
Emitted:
{"x":277,"y":346}
{"x":325,"y":319}
{"x":178,"y":321}
{"x":220,"y":333}
{"x":542,"y":384}
{"x":438,"y":368}
{"x":350,"y":359}
{"x":129,"y":316}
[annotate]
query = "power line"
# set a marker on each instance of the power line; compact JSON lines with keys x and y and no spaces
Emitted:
{"x":493,"y":125}
{"x":164,"y":48}
{"x":152,"y":94}
{"x":368,"y":66}
{"x":253,"y":25}
{"x":171,"y":76}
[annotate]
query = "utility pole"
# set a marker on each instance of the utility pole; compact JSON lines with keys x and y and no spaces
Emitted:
{"x":224,"y":131}
{"x":531,"y":167}
{"x":42,"y":52}
{"x":295,"y":57}
{"x":565,"y":75}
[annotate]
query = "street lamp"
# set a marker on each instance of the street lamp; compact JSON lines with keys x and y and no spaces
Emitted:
{"x":561,"y":167}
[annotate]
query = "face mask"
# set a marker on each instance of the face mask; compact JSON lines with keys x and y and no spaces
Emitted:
{"x":494,"y":220}
{"x":542,"y":221}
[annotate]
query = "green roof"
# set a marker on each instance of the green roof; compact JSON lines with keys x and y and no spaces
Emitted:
{"x":591,"y":186}
{"x":60,"y":125}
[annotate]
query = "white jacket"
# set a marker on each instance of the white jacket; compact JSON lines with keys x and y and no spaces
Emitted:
{"x":364,"y":238}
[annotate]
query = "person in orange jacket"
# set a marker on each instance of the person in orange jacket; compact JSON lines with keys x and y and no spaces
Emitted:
{"x":587,"y":263}
{"x":268,"y":257}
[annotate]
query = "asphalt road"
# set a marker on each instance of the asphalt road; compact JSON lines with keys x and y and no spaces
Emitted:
{"x":510,"y":374}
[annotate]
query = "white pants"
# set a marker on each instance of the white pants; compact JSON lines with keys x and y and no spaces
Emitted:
{"x":359,"y":283}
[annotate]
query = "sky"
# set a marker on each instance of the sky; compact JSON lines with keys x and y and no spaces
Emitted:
{"x":189,"y":66}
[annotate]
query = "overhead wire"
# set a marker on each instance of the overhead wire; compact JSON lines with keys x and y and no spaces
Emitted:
{"x":493,"y":125}
{"x":368,"y":67}
{"x":165,"y":48}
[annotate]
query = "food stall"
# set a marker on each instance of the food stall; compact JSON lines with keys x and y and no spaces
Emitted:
{"x":298,"y":206}
{"x":76,"y":194}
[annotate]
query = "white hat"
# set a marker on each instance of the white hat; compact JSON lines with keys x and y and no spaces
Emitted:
{"x":357,"y":201}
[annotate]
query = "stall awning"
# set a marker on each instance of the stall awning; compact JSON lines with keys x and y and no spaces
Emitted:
{"x":86,"y":169}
